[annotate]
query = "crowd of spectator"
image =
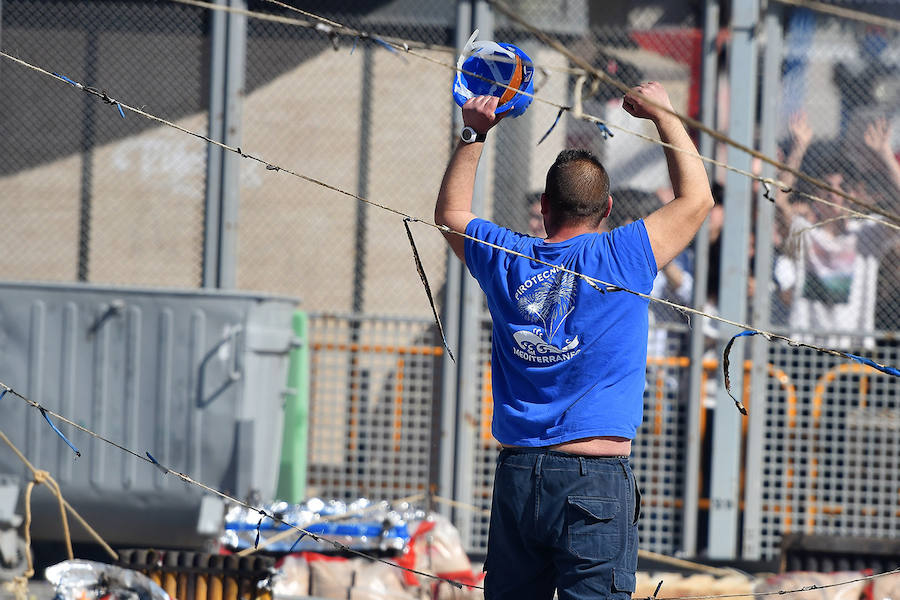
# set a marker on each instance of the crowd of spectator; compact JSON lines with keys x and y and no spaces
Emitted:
{"x":836,"y":276}
{"x":835,"y":271}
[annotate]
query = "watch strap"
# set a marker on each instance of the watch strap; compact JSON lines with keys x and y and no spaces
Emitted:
{"x":468,"y":131}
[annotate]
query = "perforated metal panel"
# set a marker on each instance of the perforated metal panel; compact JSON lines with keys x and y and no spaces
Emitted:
{"x":660,"y":449}
{"x":373,"y":388}
{"x":91,"y":196}
{"x":830,"y":458}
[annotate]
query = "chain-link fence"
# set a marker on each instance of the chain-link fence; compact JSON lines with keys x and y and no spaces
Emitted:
{"x":361,"y":118}
{"x":90,"y":196}
{"x":833,"y":281}
{"x":833,"y":274}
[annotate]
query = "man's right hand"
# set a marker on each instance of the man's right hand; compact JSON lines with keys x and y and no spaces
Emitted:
{"x":648,"y":101}
{"x":478,"y":113}
{"x":671,"y":227}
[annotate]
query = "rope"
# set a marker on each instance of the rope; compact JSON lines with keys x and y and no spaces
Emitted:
{"x":838,"y":11}
{"x":40,"y":477}
{"x":585,"y":67}
{"x":598,"y":284}
{"x":556,"y":45}
{"x":341,"y":547}
{"x":188,"y":479}
{"x":43,"y":477}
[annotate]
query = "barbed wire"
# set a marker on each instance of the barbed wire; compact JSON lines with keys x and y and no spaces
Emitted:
{"x":597,"y":284}
{"x":149,"y":458}
{"x":624,"y":88}
{"x":272,"y":166}
{"x":688,"y":121}
{"x":808,"y":588}
{"x":406,"y":46}
{"x":346,"y":549}
{"x":400,"y":42}
{"x":670,"y":560}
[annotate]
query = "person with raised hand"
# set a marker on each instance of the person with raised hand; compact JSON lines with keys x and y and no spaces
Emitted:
{"x":568,"y":362}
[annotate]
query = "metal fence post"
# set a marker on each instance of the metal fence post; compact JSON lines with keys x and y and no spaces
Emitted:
{"x":701,"y":273}
{"x":365,"y":138}
{"x":470,"y":324}
{"x":762,"y":302}
{"x":228,"y":42}
{"x":452,"y":310}
{"x":88,"y":135}
{"x":725,"y":468}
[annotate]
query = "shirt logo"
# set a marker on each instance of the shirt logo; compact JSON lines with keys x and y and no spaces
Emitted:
{"x":546,"y":299}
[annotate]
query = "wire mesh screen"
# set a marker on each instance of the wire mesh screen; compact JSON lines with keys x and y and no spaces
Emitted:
{"x":659,"y":450}
{"x":357,"y":116}
{"x":830,"y":459}
{"x":374,"y":383}
{"x":89,"y":195}
{"x":835,"y":275}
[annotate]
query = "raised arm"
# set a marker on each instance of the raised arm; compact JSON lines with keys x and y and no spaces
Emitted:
{"x":673,"y":226}
{"x":878,"y":137}
{"x":801,"y":136}
{"x":454,"y":202}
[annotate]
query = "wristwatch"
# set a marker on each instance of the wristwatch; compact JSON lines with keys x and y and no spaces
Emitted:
{"x":469,"y":135}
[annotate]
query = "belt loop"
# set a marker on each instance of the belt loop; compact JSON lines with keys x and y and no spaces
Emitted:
{"x":583,"y":465}
{"x":538,"y":463}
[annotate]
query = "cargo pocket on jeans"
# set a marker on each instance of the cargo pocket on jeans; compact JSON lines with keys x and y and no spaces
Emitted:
{"x":624,"y":581}
{"x":592,"y":527}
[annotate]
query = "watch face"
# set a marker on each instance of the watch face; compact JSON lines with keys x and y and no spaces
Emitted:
{"x":468,"y":134}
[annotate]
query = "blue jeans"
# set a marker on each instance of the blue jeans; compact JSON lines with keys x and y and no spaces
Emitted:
{"x":562,"y":522}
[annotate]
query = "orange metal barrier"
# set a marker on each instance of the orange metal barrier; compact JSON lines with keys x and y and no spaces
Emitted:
{"x":656,"y":376}
{"x":817,"y":400}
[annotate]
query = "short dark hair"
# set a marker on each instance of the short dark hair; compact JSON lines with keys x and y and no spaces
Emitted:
{"x":577,"y":188}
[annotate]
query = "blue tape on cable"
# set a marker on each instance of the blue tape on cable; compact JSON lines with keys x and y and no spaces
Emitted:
{"x":58,"y":432}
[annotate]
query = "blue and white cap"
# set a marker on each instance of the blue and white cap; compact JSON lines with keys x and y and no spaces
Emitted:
{"x":499,"y":64}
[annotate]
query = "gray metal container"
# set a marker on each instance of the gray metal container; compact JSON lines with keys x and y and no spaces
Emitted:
{"x":194,"y":377}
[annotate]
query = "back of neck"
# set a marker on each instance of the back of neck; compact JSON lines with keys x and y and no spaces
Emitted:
{"x":567,"y":232}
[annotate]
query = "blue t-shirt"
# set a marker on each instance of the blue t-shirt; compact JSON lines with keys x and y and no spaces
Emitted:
{"x":567,"y":361}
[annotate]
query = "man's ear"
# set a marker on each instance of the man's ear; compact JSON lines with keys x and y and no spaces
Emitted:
{"x":545,"y":205}
{"x":608,"y":207}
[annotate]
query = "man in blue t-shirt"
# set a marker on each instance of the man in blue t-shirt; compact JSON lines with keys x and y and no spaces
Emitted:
{"x":568,"y":361}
